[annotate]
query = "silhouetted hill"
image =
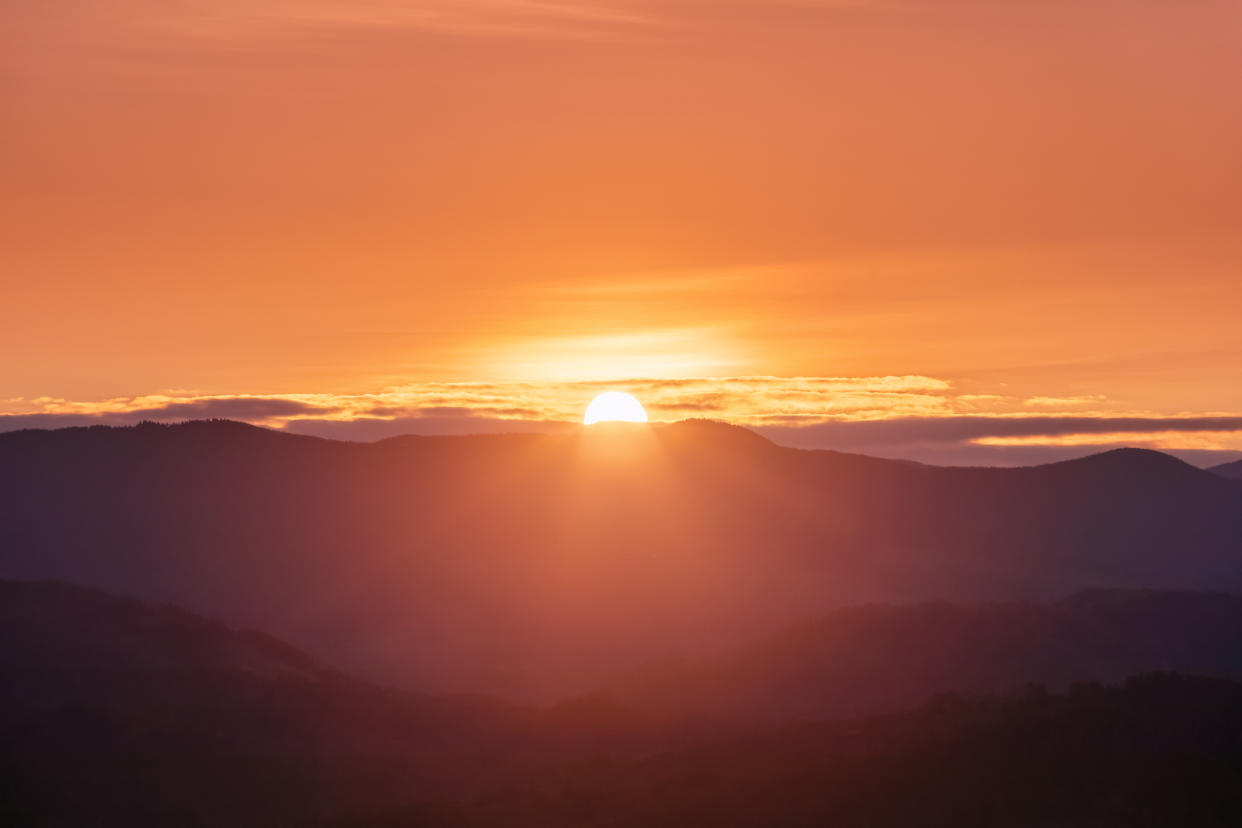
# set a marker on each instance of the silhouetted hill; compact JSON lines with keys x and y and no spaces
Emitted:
{"x":544,"y":564}
{"x":1162,"y":750}
{"x":98,"y":634}
{"x":1231,"y":470}
{"x":62,"y":644}
{"x":115,"y":712}
{"x":882,"y":658}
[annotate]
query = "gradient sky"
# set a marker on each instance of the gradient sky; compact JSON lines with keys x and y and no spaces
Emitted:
{"x":368,"y":216}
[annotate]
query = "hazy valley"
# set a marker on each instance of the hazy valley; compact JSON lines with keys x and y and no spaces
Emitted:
{"x":678,"y":624}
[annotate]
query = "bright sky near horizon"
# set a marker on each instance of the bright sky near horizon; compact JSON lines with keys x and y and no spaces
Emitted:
{"x":376,"y":215}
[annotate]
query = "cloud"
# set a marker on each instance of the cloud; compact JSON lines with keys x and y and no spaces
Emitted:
{"x":161,"y":408}
{"x":238,"y":22}
{"x":973,"y":454}
{"x":1016,"y":440}
{"x":370,"y":429}
{"x":440,"y":407}
{"x":915,"y":430}
{"x":1065,"y":402}
{"x":910,"y":416}
{"x":235,"y":408}
{"x":21,"y":422}
{"x":235,"y":23}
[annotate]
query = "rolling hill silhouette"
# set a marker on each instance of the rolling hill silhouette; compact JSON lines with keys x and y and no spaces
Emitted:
{"x":115,"y":712}
{"x":882,"y":658}
{"x":1231,"y":470}
{"x":222,"y":727}
{"x":545,"y":564}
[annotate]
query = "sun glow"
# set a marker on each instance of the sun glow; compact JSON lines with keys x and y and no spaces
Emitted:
{"x":614,"y":406}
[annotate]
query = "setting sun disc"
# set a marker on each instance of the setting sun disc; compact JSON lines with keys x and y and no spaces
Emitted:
{"x":614,"y":406}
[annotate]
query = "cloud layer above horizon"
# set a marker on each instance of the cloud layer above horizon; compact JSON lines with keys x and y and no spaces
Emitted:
{"x":912,"y":417}
{"x":925,"y":228}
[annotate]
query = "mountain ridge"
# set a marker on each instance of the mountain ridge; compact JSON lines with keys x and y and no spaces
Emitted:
{"x":688,"y":426}
{"x":214,"y":743}
{"x":1231,"y":470}
{"x":882,"y":657}
{"x":459,"y":564}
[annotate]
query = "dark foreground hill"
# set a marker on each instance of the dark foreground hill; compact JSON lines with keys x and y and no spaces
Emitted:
{"x":541,"y":565}
{"x":881,"y":658}
{"x":1162,"y":750}
{"x":119,"y":713}
{"x":116,"y":712}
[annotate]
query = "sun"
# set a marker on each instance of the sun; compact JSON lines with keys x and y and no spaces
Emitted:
{"x":614,"y":406}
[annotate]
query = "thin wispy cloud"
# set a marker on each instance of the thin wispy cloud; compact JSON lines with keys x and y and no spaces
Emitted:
{"x":257,"y":20}
{"x":745,"y":400}
{"x":235,"y":22}
{"x":899,"y":416}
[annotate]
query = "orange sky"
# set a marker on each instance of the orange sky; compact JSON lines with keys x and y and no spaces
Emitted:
{"x":1033,"y":205}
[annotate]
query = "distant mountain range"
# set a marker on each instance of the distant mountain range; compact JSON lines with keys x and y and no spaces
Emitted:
{"x":1231,"y":470}
{"x":539,"y":566}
